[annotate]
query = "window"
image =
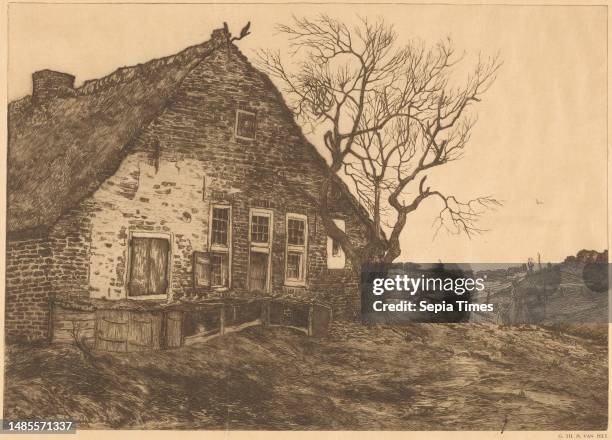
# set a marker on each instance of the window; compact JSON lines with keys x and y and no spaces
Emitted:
{"x":260,"y":226}
{"x":260,"y":244}
{"x":210,"y":270}
{"x":335,"y":254}
{"x":149,"y":262}
{"x":294,"y":265}
{"x":296,"y":244}
{"x":220,"y":225}
{"x":295,"y":231}
{"x":245,"y":125}
{"x":220,"y":246}
{"x":219,"y":269}
{"x":260,"y":229}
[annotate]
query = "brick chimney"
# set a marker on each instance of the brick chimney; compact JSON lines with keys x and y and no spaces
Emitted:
{"x":48,"y":84}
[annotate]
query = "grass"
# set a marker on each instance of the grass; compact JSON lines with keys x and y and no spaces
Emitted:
{"x":424,"y":377}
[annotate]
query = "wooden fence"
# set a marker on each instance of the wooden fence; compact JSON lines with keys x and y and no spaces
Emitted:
{"x":128,"y":327}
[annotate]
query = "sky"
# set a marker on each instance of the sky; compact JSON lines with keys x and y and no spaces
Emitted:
{"x":539,"y":144}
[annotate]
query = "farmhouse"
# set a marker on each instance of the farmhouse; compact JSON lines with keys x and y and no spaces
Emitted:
{"x":184,"y":177}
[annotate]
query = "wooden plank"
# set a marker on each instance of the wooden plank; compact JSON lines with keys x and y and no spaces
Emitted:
{"x":114,"y":346}
{"x":144,"y":331}
{"x":64,"y":319}
{"x":139,"y":256}
{"x":112,"y":330}
{"x":174,"y":336}
{"x":158,"y":266}
{"x":66,"y":322}
{"x":140,"y":337}
{"x":156,"y":331}
{"x":65,"y":335}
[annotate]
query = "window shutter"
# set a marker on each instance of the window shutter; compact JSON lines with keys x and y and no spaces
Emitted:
{"x":148,"y":266}
{"x":138,"y":267}
{"x":201,"y":270}
{"x":158,"y":266}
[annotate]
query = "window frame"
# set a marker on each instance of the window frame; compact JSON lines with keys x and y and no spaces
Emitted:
{"x":301,"y":282}
{"x":264,"y":248}
{"x":145,"y":234}
{"x":261,"y":212}
{"x":221,"y":249}
{"x":246,"y":112}
{"x":216,"y":246}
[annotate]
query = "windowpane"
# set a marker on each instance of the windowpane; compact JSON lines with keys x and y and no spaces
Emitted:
{"x":245,"y":124}
{"x":220,"y":224}
{"x":219,"y":263}
{"x":260,"y":226}
{"x":294,"y":265}
{"x":295,"y":232}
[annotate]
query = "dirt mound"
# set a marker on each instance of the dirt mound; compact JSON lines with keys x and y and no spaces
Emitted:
{"x":420,"y":377}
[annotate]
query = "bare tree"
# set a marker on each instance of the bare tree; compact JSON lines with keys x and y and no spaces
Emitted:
{"x":390,"y":114}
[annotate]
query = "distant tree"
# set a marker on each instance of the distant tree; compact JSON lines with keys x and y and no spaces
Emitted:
{"x":390,"y":115}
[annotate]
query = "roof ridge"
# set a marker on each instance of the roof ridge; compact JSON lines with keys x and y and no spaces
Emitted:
{"x":129,"y":73}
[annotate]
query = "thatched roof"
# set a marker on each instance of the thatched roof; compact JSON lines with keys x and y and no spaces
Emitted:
{"x":63,"y":150}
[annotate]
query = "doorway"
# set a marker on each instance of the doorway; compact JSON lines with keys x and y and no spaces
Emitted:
{"x":258,"y":272}
{"x":260,"y":249}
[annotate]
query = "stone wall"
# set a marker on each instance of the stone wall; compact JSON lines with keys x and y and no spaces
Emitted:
{"x":70,"y":243}
{"x":28,"y":261}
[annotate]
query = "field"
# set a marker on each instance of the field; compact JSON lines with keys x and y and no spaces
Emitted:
{"x":423,"y":377}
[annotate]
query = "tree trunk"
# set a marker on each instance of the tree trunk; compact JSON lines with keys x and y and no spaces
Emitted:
{"x":394,"y":248}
